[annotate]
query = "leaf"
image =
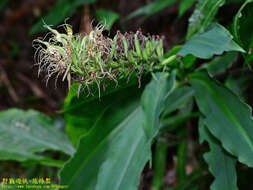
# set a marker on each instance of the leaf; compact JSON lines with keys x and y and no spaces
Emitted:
{"x":159,"y":163}
{"x":107,"y":18}
{"x":80,"y":118}
{"x":236,"y":26}
{"x":214,"y":41}
{"x":24,"y":133}
{"x":117,"y":142}
{"x":241,"y":30}
{"x":150,"y":9}
{"x":184,"y":5}
{"x":75,"y":101}
{"x":128,"y":163}
{"x":189,"y":61}
{"x":239,"y":85}
{"x":172,"y":53}
{"x":158,"y":90}
{"x":220,"y":64}
{"x":81,"y":172}
{"x":203,"y":15}
{"x":226,"y":117}
{"x":172,"y":122}
{"x":234,"y":1}
{"x":181,"y":158}
{"x":61,"y":10}
{"x":221,"y":164}
{"x":177,"y":99}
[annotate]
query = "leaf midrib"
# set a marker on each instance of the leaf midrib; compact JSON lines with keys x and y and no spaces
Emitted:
{"x":101,"y":143}
{"x":128,"y":161}
{"x":228,"y":113}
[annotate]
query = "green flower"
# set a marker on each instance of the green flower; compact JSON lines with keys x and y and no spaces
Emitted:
{"x":95,"y":58}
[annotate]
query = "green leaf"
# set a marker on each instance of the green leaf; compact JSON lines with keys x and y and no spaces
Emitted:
{"x":203,"y":15}
{"x":181,"y":158}
{"x":61,"y":10}
{"x":158,"y":90}
{"x":172,"y":122}
{"x":239,"y":85}
{"x":150,"y":8}
{"x":226,"y":117}
{"x":221,"y":164}
{"x":242,"y":22}
{"x":82,"y":171}
{"x":80,"y":118}
{"x":169,"y":57}
{"x":234,"y":1}
{"x":236,"y":25}
{"x":76,"y":98}
{"x":173,"y":51}
{"x":25,"y":133}
{"x":184,"y":5}
{"x":177,"y":99}
{"x":189,"y":61}
{"x":107,"y":18}
{"x":116,"y":142}
{"x":214,"y":41}
{"x":159,"y":163}
{"x":220,"y":64}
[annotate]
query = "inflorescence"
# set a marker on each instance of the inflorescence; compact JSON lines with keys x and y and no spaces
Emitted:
{"x":95,"y":58}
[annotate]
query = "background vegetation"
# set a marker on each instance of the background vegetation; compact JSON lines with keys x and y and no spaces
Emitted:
{"x":184,"y":129}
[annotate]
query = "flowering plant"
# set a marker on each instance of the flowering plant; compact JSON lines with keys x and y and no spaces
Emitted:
{"x":95,"y":58}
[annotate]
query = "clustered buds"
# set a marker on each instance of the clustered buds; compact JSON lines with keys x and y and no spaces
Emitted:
{"x":95,"y":58}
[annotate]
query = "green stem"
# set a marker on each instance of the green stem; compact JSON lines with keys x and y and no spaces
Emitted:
{"x":168,"y":60}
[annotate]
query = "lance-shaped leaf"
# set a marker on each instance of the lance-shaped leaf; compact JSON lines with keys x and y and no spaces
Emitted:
{"x":177,"y":99}
{"x":220,"y":64}
{"x":157,"y":91}
{"x":25,"y":133}
{"x":79,"y":116}
{"x":160,"y":161}
{"x":150,"y":9}
{"x":226,"y":116}
{"x":214,"y":41}
{"x":203,"y":15}
{"x":236,"y":25}
{"x":114,"y":152}
{"x":221,"y":163}
{"x":61,"y":10}
{"x":81,"y":172}
{"x":184,"y":6}
{"x":107,"y":18}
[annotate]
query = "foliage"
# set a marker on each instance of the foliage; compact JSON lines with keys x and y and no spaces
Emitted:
{"x":221,"y":163}
{"x":25,"y":133}
{"x":225,"y":114}
{"x":150,"y":8}
{"x":107,"y":18}
{"x":184,"y":5}
{"x":61,"y":10}
{"x":214,"y":41}
{"x":131,"y":135}
{"x":149,"y":96}
{"x":203,"y":15}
